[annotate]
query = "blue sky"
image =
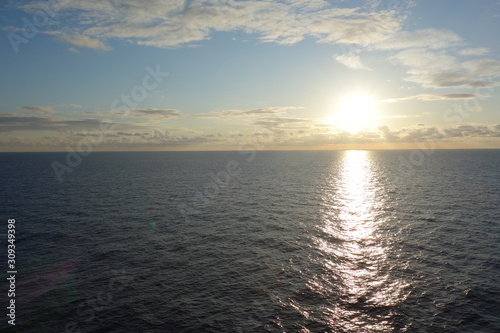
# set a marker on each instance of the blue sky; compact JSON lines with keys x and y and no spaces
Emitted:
{"x":288,"y":74}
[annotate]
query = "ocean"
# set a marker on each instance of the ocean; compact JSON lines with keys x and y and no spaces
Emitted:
{"x":256,"y":241}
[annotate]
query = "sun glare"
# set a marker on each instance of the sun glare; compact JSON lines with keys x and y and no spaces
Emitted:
{"x":353,"y":113}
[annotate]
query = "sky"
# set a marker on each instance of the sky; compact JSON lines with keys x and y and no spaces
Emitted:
{"x":109,"y":75}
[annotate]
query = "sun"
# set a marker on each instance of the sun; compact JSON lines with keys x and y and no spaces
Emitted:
{"x":353,"y":113}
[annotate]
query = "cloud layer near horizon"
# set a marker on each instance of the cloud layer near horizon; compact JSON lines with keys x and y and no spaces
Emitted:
{"x":267,"y":128}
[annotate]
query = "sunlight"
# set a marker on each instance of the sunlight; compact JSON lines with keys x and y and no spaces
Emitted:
{"x":353,"y":113}
{"x":357,"y":198}
{"x":354,"y":255}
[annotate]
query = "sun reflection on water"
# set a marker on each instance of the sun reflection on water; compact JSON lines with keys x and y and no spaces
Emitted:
{"x":356,"y":274}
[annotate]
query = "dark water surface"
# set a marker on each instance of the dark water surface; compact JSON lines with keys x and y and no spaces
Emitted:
{"x":318,"y":241}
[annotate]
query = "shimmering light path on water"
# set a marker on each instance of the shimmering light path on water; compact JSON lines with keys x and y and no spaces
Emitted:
{"x":356,"y":271}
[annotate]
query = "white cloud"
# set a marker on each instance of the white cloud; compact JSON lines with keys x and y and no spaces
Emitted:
{"x":364,"y":29}
{"x":352,"y":61}
{"x":427,"y":38}
{"x":274,"y":110}
{"x":72,"y":49}
{"x":10,"y":122}
{"x":177,"y":22}
{"x":422,"y":133}
{"x":483,"y":67}
{"x":37,"y":109}
{"x":477,"y":51}
{"x":84,"y":41}
{"x":398,"y":116}
{"x":151,"y":113}
{"x":277,"y":121}
{"x":431,"y":97}
{"x":439,"y":70}
{"x":421,"y":58}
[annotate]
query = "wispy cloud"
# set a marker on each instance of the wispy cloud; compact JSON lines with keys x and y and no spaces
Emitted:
{"x":430,"y":97}
{"x":174,"y":23}
{"x":152,"y":113}
{"x":37,"y":109}
{"x":440,"y":70}
{"x":275,"y":122}
{"x":10,"y":122}
{"x":424,"y":133}
{"x":351,"y":61}
{"x":246,"y":113}
{"x":426,"y":38}
{"x":483,"y":67}
{"x":398,"y":116}
{"x":477,"y":51}
{"x":84,"y":41}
